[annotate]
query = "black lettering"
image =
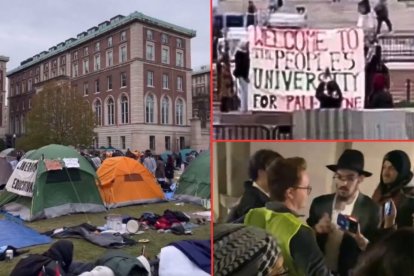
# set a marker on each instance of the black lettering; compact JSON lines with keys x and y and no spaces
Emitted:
{"x":335,"y":59}
{"x":349,"y":57}
{"x":257,"y":77}
{"x":298,"y":80}
{"x":310,"y":82}
{"x":264,"y":101}
{"x":273,"y":101}
{"x":269,"y":79}
{"x":278,"y":56}
{"x":287,"y":80}
{"x":256,"y":98}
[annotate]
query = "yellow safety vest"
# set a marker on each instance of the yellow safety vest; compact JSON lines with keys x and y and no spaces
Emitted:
{"x":283,"y":226}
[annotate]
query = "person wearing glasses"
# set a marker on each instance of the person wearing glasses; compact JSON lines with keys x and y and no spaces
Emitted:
{"x":289,"y":188}
{"x":341,"y":248}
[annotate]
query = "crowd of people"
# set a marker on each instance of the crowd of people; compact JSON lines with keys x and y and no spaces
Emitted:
{"x":233,"y":85}
{"x":346,"y":232}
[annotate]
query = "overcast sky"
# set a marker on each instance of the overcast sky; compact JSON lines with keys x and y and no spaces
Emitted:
{"x":29,"y":27}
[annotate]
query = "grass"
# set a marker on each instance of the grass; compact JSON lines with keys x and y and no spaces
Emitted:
{"x":88,"y":252}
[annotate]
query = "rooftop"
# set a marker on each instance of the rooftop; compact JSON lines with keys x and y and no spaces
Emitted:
{"x":201,"y":70}
{"x":102,"y":28}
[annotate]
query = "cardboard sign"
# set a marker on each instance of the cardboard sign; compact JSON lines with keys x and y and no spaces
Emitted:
{"x":23,"y":178}
{"x":287,"y":65}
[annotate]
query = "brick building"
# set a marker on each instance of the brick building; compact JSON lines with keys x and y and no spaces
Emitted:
{"x":134,"y":71}
{"x":201,"y":95}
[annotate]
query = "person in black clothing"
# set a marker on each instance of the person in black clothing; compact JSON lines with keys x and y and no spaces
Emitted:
{"x":333,"y":96}
{"x":256,"y":190}
{"x":380,"y":97}
{"x":241,"y":72}
{"x":341,"y":248}
{"x":251,"y":10}
{"x":391,"y":256}
{"x":169,"y":169}
{"x":395,"y":176}
{"x":381,"y":10}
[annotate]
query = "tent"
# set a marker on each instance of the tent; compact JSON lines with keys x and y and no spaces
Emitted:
{"x":5,"y":171}
{"x":124,"y":181}
{"x":165,"y":154}
{"x":52,"y":181}
{"x":194,"y":183}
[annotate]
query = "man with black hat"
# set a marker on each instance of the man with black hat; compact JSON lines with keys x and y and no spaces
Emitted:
{"x":395,"y":176}
{"x":341,"y":248}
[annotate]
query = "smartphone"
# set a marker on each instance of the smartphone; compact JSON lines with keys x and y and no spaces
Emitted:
{"x":387,"y":208}
{"x":347,"y":223}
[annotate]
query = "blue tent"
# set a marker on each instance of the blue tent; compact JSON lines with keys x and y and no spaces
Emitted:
{"x":165,"y":154}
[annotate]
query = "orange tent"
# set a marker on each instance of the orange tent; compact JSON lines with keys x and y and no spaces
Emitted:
{"x":124,"y":181}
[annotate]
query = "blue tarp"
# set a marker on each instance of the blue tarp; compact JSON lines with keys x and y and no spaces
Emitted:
{"x":19,"y":235}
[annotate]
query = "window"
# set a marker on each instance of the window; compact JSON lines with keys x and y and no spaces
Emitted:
{"x":124,"y":110}
{"x":111,"y":111}
{"x":110,"y":41}
{"x":62,"y":70}
{"x":85,"y":88}
{"x":123,"y":79}
{"x":123,"y":53}
{"x":165,"y":55}
{"x":97,"y":47}
{"x":97,"y":62}
{"x":152,"y":143}
{"x":85,"y":66}
{"x":75,"y":69}
{"x":179,"y":59}
{"x":86,"y":51}
{"x":149,"y":35}
{"x":180,"y":83}
{"x":75,"y":55}
{"x":165,"y":81}
{"x":108,"y":139}
{"x":98,"y":113}
{"x":164,"y":39}
{"x":109,"y":58}
{"x":179,"y":114}
{"x":109,"y":81}
{"x":97,"y":86}
{"x":182,"y":142}
{"x":123,"y":36}
{"x":149,"y":109}
{"x":164,"y":111}
{"x":123,"y":146}
{"x":62,"y":60}
{"x":179,"y":43}
{"x":150,"y":51}
{"x":29,"y":86}
{"x":167,"y":142}
{"x":150,"y":78}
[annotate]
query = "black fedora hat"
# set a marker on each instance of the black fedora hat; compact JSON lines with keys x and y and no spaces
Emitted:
{"x":351,"y":160}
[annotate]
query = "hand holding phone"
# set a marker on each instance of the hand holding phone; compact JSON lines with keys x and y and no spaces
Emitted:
{"x":347,"y":223}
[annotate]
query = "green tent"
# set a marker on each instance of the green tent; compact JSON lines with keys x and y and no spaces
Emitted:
{"x":33,"y":192}
{"x":194,"y":183}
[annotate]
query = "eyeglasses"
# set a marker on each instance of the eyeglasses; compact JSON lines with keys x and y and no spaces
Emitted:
{"x":345,"y":179}
{"x":309,"y":188}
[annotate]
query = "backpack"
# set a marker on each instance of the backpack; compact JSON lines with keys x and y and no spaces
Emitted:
{"x":122,"y":264}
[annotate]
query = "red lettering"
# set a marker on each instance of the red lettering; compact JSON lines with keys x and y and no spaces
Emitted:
{"x":319,"y":42}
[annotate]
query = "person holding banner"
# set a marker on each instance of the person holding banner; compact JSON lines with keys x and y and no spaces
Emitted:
{"x":333,"y":96}
{"x":241,"y":72}
{"x":381,"y":9}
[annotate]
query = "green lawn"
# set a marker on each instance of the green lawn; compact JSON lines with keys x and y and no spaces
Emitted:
{"x":85,"y":251}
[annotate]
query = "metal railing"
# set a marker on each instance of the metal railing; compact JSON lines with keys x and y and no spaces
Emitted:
{"x":397,"y":47}
{"x":251,"y":132}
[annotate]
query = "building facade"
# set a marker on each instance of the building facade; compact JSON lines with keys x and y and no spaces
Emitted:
{"x":201,"y":95}
{"x":134,"y":71}
{"x":3,"y":98}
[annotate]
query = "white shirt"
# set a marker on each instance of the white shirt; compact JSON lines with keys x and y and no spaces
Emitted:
{"x":335,"y":237}
{"x":260,"y":189}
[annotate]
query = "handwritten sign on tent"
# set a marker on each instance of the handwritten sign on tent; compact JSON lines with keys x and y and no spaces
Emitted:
{"x":23,"y":178}
{"x":286,"y":66}
{"x":71,"y":162}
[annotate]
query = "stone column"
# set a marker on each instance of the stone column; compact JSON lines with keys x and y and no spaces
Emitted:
{"x":195,"y":142}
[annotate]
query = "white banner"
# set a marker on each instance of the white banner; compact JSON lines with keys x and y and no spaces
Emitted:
{"x":23,"y":178}
{"x":71,"y":162}
{"x":287,"y":65}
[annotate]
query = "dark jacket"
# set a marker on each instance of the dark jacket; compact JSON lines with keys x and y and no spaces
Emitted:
{"x":252,"y":198}
{"x":303,"y":247}
{"x":242,"y":62}
{"x":365,"y":210}
{"x":380,"y":99}
{"x":327,"y":101}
